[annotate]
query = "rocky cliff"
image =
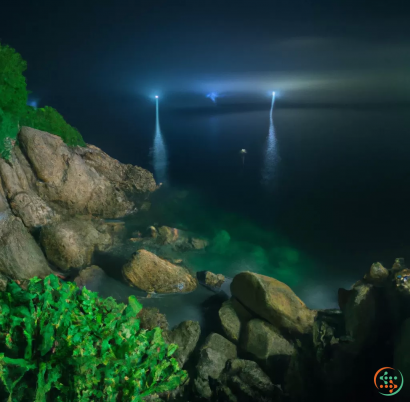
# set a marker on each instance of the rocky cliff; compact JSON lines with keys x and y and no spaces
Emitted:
{"x":46,"y":182}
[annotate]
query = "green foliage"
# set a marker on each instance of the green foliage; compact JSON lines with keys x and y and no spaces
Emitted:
{"x":48,"y":119}
{"x":13,"y":92}
{"x":13,"y":109}
{"x":66,"y":345}
{"x":8,"y":133}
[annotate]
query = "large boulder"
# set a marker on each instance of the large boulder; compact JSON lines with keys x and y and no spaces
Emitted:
{"x":71,"y":243}
{"x":24,"y":202}
{"x":150,"y":273}
{"x":274,"y":301}
{"x":213,"y":357}
{"x":20,"y":255}
{"x":186,"y":336}
{"x":83,"y":180}
{"x":263,"y":342}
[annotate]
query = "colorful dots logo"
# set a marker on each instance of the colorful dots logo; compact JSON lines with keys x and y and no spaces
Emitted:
{"x":389,"y":381}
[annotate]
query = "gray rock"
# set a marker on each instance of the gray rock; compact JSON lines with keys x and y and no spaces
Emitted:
{"x":274,"y":301}
{"x":90,"y":277}
{"x":231,"y":324}
{"x":213,"y":357}
{"x":20,"y":256}
{"x":377,"y":274}
{"x":186,"y":336}
{"x":71,"y":243}
{"x":246,"y":381}
{"x":266,"y":345}
{"x":83,"y":180}
{"x":151,"y":318}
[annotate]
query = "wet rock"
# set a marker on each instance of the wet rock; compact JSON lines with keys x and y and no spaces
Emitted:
{"x":82,"y":180}
{"x":377,"y":274}
{"x":153,"y":274}
{"x":198,"y":244}
{"x":90,"y":277}
{"x":167,"y":235}
{"x":71,"y":243}
{"x":152,"y":232}
{"x":360,"y":315}
{"x":231,"y":324}
{"x":213,"y":357}
{"x":186,"y":336}
{"x":150,"y":318}
{"x":20,"y":256}
{"x":274,"y":301}
{"x":244,"y":380}
{"x":210,"y":279}
{"x":267,"y":346}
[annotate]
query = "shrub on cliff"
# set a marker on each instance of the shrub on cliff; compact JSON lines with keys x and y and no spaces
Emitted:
{"x":63,"y":344}
{"x":48,"y":119}
{"x":13,"y":109}
{"x":8,"y":133}
{"x":13,"y":91}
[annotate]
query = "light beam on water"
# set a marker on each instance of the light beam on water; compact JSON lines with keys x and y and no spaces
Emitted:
{"x":271,"y":157}
{"x":160,"y":157}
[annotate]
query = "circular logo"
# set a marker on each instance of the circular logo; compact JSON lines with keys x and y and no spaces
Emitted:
{"x":388,"y":381}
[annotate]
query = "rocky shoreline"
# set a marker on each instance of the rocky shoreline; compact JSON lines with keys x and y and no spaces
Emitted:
{"x":59,"y":208}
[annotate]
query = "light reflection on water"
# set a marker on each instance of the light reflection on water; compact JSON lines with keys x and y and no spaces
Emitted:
{"x":160,"y":157}
{"x":271,"y":157}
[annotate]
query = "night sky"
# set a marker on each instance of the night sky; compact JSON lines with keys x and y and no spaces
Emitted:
{"x":96,"y":61}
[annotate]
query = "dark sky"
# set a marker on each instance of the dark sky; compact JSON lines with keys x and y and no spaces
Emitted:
{"x":102,"y":55}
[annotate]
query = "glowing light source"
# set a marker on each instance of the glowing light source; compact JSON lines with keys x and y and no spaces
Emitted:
{"x":213,"y":96}
{"x":156,"y":96}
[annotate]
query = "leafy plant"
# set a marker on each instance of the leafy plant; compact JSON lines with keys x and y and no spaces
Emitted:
{"x":66,"y":345}
{"x":8,"y":133}
{"x":48,"y":119}
{"x":13,"y":91}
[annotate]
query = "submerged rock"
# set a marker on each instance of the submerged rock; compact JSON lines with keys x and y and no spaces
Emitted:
{"x":213,"y":357}
{"x":71,"y":243}
{"x":20,"y":255}
{"x":208,"y":278}
{"x":274,"y":301}
{"x":152,"y":274}
{"x":186,"y":336}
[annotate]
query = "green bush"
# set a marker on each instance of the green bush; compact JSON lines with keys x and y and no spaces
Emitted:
{"x":13,"y":91}
{"x":48,"y":119}
{"x":8,"y":133}
{"x":63,"y":344}
{"x":14,"y":109}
